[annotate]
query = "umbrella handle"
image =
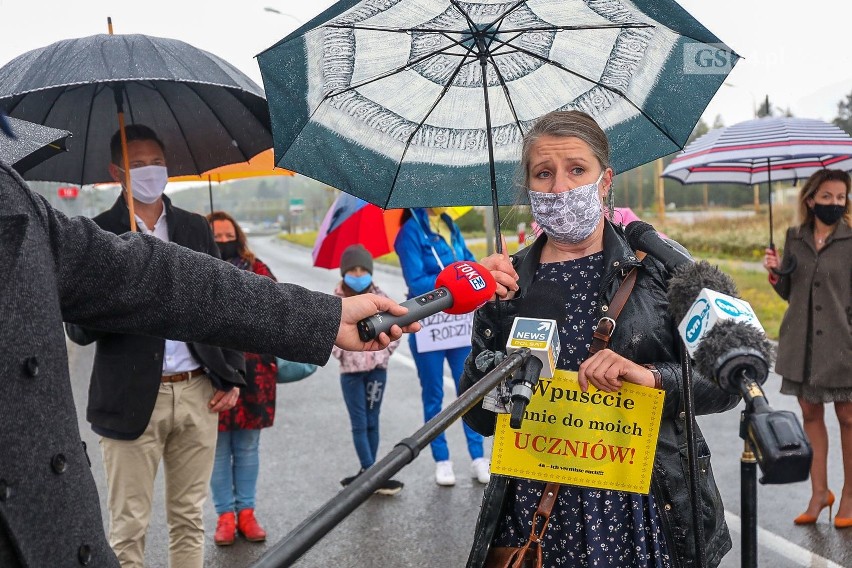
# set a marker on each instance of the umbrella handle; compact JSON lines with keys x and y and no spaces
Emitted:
{"x":791,"y":266}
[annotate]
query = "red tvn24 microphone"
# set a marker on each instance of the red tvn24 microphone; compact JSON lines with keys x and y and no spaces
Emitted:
{"x":460,"y":288}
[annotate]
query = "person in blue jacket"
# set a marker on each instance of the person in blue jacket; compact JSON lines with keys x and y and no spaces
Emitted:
{"x":428,"y":241}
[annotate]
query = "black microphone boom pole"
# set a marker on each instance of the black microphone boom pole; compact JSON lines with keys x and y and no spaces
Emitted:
{"x":642,"y":236}
{"x":311,"y":530}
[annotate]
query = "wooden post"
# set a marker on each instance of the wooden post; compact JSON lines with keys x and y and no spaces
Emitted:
{"x":757,"y":198}
{"x":659,"y":191}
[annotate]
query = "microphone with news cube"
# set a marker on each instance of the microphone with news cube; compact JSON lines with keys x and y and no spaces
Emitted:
{"x":534,"y":329}
{"x":460,"y":288}
{"x":727,"y":343}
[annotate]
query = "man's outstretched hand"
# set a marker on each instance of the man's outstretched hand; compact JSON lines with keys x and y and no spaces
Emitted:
{"x":356,"y":308}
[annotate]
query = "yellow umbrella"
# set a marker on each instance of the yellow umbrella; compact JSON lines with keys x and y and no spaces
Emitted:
{"x":262,"y":164}
{"x":456,"y":212}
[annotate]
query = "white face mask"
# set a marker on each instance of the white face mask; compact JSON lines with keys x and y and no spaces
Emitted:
{"x":568,"y":217}
{"x":148,"y":182}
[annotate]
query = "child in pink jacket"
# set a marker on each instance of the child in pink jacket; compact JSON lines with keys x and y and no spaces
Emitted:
{"x":363,"y":374}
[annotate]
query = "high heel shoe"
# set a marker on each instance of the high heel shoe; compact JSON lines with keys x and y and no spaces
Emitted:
{"x":806,"y":519}
{"x":842,"y":522}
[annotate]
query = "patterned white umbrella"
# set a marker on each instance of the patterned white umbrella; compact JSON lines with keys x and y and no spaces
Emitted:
{"x":763,"y":150}
{"x":417,"y":103}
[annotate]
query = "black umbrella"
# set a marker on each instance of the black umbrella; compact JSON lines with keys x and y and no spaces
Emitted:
{"x":30,"y":144}
{"x":206,"y":112}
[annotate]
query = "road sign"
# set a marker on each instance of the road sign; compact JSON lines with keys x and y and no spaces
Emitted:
{"x":70,"y":192}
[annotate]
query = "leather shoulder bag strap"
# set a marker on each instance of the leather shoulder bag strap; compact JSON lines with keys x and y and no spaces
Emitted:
{"x":540,"y":520}
{"x":606,"y":325}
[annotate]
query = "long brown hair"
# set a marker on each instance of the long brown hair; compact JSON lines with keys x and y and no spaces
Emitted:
{"x":805,"y":215}
{"x":242,"y":243}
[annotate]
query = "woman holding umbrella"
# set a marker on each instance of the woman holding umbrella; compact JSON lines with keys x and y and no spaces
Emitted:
{"x":581,"y":259}
{"x":815,"y":344}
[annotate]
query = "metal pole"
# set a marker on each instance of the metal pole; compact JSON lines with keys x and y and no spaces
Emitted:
{"x":483,"y":63}
{"x":748,"y":500}
{"x":769,"y":184}
{"x":692,"y":458}
{"x":311,"y":530}
{"x":210,"y":191}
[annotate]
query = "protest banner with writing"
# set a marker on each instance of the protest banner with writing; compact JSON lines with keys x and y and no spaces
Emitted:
{"x":444,"y":331}
{"x":591,"y":439}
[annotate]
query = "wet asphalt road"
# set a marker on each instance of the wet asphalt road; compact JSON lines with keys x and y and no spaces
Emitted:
{"x":309,"y":449}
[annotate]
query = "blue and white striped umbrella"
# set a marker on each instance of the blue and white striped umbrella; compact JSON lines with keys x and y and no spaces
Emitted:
{"x":763,"y":149}
{"x":391,"y":100}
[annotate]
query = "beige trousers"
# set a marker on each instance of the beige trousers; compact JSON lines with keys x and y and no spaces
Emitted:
{"x":181,"y":433}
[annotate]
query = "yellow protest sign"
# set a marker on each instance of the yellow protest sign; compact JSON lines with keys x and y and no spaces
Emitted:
{"x":592,"y":439}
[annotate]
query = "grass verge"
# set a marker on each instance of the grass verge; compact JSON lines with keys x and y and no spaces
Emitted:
{"x":751,"y":283}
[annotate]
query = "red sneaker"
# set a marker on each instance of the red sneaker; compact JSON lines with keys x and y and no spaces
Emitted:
{"x":249,"y":527}
{"x":225,"y":529}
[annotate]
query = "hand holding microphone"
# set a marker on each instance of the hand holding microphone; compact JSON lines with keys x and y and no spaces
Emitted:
{"x":354,"y":309}
{"x":460,"y":288}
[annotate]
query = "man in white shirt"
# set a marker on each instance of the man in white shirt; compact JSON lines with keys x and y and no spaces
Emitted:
{"x":151,"y":399}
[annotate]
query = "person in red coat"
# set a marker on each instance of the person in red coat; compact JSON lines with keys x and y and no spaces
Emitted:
{"x":234,"y":480}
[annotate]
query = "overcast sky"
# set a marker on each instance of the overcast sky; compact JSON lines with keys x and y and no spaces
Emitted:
{"x":796,"y":52}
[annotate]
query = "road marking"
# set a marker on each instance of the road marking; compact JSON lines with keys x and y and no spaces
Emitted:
{"x":782,"y":546}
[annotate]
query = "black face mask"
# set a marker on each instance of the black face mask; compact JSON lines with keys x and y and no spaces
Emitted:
{"x":828,"y":214}
{"x":228,"y":249}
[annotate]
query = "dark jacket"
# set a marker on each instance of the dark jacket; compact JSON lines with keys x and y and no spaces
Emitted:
{"x":122,"y":408}
{"x":54,"y":269}
{"x":819,"y":291}
{"x":255,"y":408}
{"x":645,"y":333}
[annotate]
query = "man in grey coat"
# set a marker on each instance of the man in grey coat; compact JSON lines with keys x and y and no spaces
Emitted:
{"x":55,"y":269}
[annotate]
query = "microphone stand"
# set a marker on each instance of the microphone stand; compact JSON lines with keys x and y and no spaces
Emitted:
{"x":754,"y":402}
{"x":311,"y":530}
{"x":692,"y":459}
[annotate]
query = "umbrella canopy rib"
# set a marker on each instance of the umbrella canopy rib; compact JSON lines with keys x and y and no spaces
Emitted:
{"x":624,"y":96}
{"x":396,"y":71}
{"x":440,"y":97}
{"x":219,"y":117}
{"x":470,"y":23}
{"x":505,"y":87}
{"x":181,"y":129}
{"x":88,"y":126}
{"x":499,"y":21}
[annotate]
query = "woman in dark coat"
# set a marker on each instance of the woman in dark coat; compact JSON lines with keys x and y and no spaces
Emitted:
{"x":235,"y":470}
{"x":815,"y":344}
{"x":580,"y":261}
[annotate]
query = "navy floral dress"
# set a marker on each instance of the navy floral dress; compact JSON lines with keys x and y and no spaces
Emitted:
{"x":588,"y":527}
